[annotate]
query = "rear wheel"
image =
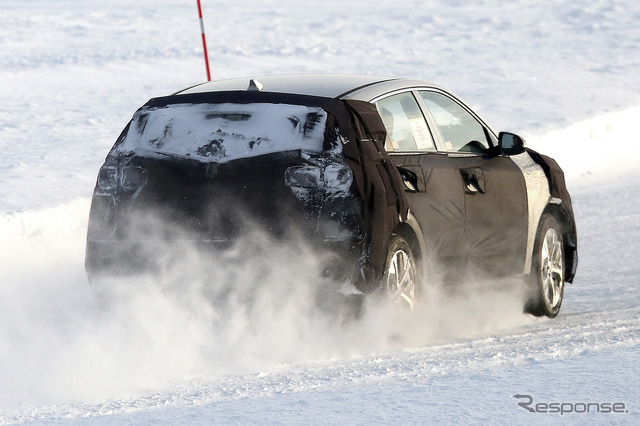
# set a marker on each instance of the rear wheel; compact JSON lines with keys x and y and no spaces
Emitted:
{"x":548,"y":268}
{"x":401,"y":273}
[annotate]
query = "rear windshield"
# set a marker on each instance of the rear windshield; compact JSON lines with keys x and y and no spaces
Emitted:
{"x":223,"y":132}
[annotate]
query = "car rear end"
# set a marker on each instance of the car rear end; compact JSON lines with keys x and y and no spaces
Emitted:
{"x":213,"y":170}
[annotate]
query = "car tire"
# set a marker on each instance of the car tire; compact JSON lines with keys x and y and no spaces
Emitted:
{"x":400,"y":280}
{"x":548,"y":269}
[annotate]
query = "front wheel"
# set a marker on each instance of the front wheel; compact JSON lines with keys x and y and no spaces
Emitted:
{"x":400,"y":279}
{"x":547,"y":271}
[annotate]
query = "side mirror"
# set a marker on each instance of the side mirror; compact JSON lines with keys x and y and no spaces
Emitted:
{"x":510,"y":143}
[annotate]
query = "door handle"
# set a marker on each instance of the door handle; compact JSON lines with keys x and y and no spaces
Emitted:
{"x":473,"y":179}
{"x":409,"y":179}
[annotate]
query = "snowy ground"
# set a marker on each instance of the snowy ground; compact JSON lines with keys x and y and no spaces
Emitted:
{"x":71,"y":74}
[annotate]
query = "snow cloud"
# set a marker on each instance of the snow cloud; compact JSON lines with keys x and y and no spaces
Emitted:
{"x":254,"y":308}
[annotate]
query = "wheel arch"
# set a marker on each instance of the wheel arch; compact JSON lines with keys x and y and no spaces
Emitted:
{"x":411,"y":231}
{"x":568,"y":229}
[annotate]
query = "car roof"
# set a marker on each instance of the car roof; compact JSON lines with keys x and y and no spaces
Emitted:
{"x":338,"y":86}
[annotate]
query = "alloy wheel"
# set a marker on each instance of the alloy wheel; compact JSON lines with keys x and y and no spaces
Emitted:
{"x":552,"y":269}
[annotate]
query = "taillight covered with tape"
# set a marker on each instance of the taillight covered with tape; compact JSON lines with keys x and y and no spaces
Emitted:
{"x":306,"y":177}
{"x":326,"y":188}
{"x":332,"y":178}
{"x":114,"y":182}
{"x":108,"y":178}
{"x":127,"y":178}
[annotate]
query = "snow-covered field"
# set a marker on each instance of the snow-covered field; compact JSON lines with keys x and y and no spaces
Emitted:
{"x":564,"y":75}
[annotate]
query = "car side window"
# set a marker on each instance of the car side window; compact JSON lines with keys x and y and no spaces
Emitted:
{"x":459,"y":129}
{"x":407,"y":129}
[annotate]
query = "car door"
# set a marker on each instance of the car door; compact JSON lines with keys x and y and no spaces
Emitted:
{"x":495,"y":196}
{"x":433,"y":190}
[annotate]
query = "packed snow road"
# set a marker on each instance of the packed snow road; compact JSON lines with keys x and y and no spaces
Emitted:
{"x":153,"y":357}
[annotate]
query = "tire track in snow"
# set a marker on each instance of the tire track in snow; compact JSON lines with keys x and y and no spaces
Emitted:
{"x":566,"y":337}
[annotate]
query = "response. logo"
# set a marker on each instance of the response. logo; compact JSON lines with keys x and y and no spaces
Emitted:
{"x":526,"y":402}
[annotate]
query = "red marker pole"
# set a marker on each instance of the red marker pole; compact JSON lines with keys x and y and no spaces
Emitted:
{"x":204,"y":42}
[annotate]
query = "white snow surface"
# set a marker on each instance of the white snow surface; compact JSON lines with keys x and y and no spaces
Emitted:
{"x":563,"y":74}
{"x":232,"y":131}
